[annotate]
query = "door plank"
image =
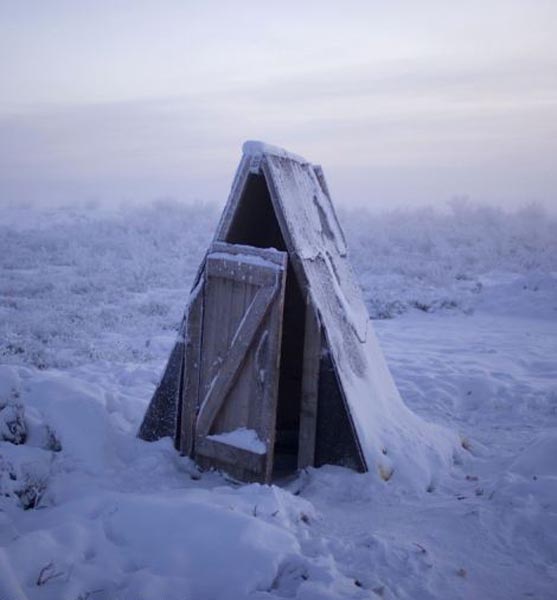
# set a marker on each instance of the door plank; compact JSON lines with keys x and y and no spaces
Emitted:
{"x":225,"y":305}
{"x":308,"y":404}
{"x":240,"y":354}
{"x":231,"y":455}
{"x":267,"y":406}
{"x":240,"y":343}
{"x":252,"y":274}
{"x":268,"y":254}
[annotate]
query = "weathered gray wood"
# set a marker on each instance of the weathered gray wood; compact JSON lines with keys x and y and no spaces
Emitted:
{"x":230,"y":268}
{"x":252,"y":400}
{"x":336,"y":442}
{"x":310,"y":381}
{"x":226,"y":302}
{"x":269,"y":364}
{"x":297,"y":263}
{"x":192,"y":359}
{"x":228,"y":370}
{"x":302,"y":267}
{"x":161,"y":416}
{"x":236,"y":191}
{"x":231,"y":455}
{"x":342,"y":246}
{"x":236,"y":411}
{"x":240,"y":354}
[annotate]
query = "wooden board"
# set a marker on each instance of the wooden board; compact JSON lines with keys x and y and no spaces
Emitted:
{"x":308,"y":404}
{"x":190,"y":383}
{"x":240,"y":341}
{"x":161,"y":417}
{"x":335,"y":439}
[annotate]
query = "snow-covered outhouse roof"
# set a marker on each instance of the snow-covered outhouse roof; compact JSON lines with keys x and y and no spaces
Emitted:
{"x":390,"y":435}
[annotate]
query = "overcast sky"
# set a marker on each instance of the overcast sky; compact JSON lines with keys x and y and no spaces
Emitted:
{"x":402,"y":102}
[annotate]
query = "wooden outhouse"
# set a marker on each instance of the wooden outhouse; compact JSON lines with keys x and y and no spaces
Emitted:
{"x":276,"y":366}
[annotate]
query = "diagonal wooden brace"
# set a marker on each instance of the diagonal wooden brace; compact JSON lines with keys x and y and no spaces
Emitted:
{"x":241,"y":342}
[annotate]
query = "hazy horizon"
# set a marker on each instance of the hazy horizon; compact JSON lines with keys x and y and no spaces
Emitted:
{"x":402,"y":104}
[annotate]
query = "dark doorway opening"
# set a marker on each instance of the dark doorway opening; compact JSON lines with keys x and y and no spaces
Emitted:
{"x":255,"y":224}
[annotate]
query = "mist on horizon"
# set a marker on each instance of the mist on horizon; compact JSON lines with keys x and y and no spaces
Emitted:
{"x":402,"y":104}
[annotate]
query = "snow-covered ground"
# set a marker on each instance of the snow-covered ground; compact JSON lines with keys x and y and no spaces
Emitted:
{"x":90,"y":300}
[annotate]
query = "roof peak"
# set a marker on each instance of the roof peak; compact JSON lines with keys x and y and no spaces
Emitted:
{"x":257,"y":147}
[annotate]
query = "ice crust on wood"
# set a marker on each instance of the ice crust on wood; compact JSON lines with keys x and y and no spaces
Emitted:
{"x":245,"y":259}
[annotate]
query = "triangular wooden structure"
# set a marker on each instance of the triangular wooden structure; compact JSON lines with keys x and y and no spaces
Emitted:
{"x":276,"y":365}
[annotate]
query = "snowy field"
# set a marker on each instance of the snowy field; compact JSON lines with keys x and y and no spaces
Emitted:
{"x":465,"y":306}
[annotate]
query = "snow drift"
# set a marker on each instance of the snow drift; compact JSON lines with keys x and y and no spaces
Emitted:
{"x":90,"y":302}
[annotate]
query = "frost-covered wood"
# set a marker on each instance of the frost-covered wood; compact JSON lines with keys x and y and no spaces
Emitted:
{"x":240,"y":348}
{"x":188,"y":401}
{"x":310,"y":384}
{"x":161,"y":417}
{"x":337,"y":401}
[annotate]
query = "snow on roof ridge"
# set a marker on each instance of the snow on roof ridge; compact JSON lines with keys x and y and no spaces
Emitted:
{"x":256,"y":147}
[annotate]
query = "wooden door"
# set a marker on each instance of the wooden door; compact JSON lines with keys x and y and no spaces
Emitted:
{"x":243,"y":300}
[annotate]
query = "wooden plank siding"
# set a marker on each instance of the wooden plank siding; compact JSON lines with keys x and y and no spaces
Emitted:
{"x":231,"y":455}
{"x":310,"y":381}
{"x":239,"y":356}
{"x":190,"y":383}
{"x":230,"y":364}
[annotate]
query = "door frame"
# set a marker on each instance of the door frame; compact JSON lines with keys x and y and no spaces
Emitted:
{"x":266,"y":268}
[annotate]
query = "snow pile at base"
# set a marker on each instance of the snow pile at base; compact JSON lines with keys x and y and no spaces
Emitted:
{"x":124,"y":517}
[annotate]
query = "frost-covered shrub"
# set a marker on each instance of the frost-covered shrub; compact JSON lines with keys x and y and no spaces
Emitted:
{"x":434,"y":260}
{"x":27,"y":445}
{"x":73,"y":281}
{"x":25,"y":483}
{"x":51,"y":441}
{"x":12,"y":423}
{"x":8,"y":478}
